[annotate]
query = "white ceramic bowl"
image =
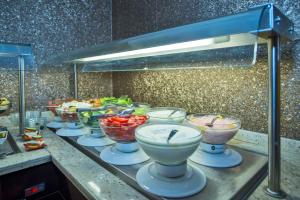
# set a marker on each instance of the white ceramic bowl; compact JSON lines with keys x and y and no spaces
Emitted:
{"x":166,"y":115}
{"x":153,"y":138}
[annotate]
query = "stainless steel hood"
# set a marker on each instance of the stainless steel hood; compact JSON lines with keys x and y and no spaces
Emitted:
{"x":244,"y":29}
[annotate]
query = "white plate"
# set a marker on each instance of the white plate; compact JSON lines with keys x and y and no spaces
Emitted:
{"x":67,"y":132}
{"x":92,"y":141}
{"x":113,"y":156}
{"x":229,"y":158}
{"x":55,"y":125}
{"x":191,"y":183}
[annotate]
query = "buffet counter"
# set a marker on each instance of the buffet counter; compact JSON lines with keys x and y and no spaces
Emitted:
{"x":102,"y":181}
{"x":227,"y":183}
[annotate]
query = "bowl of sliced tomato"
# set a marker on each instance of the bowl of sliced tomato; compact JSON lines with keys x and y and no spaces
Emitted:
{"x":121,"y":128}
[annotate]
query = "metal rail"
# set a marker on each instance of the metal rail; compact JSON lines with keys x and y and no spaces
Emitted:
{"x":22,"y":112}
{"x":75,"y":81}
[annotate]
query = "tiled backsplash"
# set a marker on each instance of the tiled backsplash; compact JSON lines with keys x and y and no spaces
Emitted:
{"x":54,"y":27}
{"x":242,"y":92}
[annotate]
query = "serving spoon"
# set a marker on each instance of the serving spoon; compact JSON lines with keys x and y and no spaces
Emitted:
{"x":172,"y":113}
{"x":172,"y":133}
{"x":211,"y":124}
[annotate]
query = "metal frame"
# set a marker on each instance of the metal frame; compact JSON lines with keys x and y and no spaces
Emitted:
{"x":274,"y":166}
{"x":75,"y":81}
{"x":22,"y":109}
{"x":19,"y":51}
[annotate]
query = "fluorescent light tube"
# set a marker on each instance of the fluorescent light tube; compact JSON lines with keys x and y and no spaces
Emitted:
{"x":153,"y":51}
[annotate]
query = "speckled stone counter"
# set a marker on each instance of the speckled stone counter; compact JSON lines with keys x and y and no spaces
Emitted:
{"x":23,"y":160}
{"x":290,"y":162}
{"x":90,"y":178}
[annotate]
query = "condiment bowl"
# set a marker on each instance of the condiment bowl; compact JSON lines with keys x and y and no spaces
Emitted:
{"x":220,"y":131}
{"x":122,"y":128}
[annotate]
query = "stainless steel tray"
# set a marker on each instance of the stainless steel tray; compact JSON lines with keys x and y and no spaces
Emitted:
{"x":227,"y":183}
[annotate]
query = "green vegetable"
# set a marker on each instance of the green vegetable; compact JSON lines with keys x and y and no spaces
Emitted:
{"x":2,"y":134}
{"x":122,"y":100}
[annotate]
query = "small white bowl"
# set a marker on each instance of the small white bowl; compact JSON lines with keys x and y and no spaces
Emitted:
{"x":166,"y":115}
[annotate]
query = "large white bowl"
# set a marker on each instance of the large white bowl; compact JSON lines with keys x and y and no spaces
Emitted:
{"x":153,"y":140}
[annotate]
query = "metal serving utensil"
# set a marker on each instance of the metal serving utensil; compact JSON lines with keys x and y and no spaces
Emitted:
{"x":211,"y":124}
{"x":172,"y":133}
{"x":172,"y":113}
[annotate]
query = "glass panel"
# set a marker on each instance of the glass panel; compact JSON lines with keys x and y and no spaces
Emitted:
{"x":11,"y":63}
{"x":236,"y":56}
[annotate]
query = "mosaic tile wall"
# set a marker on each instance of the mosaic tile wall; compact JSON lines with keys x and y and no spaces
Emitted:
{"x":54,"y":27}
{"x":240,"y":92}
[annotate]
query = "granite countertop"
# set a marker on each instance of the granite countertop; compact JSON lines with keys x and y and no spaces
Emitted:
{"x":90,"y":178}
{"x":290,"y":163}
{"x":95,"y":182}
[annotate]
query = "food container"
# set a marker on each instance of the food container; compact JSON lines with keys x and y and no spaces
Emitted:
{"x":166,"y":115}
{"x":68,"y":113}
{"x":169,"y":145}
{"x":90,"y":118}
{"x":216,"y":129}
{"x":156,"y":141}
{"x":121,"y":128}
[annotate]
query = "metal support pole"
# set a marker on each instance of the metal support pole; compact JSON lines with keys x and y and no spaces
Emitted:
{"x":273,"y":188}
{"x":75,"y":82}
{"x":22,"y":112}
